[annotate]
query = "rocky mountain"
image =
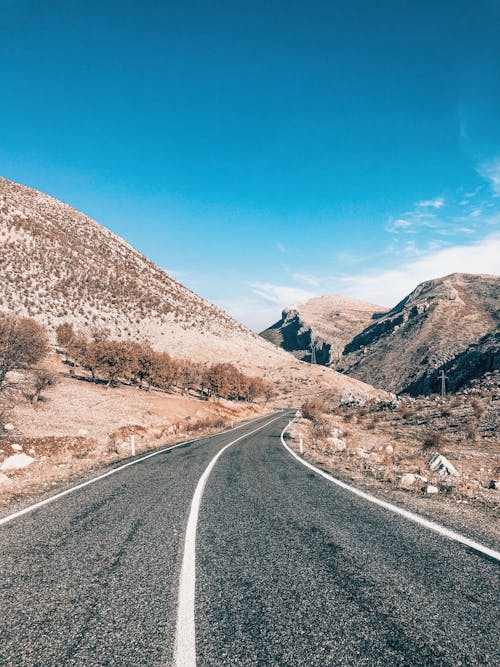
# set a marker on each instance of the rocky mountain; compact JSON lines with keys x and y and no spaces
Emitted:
{"x":477,"y":365}
{"x":321,"y":326}
{"x":56,"y":264}
{"x":447,"y":323}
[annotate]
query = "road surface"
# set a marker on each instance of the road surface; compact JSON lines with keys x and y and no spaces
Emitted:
{"x":290,"y":570}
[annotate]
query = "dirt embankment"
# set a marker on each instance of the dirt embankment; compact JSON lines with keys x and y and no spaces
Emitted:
{"x":81,"y":426}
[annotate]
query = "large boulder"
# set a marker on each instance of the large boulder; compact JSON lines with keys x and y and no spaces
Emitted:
{"x":17,"y":462}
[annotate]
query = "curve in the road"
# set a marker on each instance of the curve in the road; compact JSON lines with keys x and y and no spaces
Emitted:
{"x":411,"y":516}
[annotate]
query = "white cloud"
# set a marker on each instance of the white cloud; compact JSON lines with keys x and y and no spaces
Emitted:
{"x":388,"y":287}
{"x":431,"y":203}
{"x":251,"y":311}
{"x":307,"y":279}
{"x":401,"y":224}
{"x":280,"y":247}
{"x":282,"y":295}
{"x":491,"y":172}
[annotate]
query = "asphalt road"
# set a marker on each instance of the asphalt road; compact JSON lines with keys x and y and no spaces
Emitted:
{"x":290,"y":570}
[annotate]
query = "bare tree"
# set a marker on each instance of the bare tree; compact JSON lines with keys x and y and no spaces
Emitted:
{"x":40,"y":381}
{"x":23,"y":343}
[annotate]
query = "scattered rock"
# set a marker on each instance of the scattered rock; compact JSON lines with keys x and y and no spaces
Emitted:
{"x":338,"y":443}
{"x":4,"y":480}
{"x":363,"y":453}
{"x":82,"y":433}
{"x":31,"y":451}
{"x":430,"y":488}
{"x":17,"y":461}
{"x":494,"y":484}
{"x":8,"y":427}
{"x":389,"y":450}
{"x":410,"y":479}
{"x":440,"y":464}
{"x":16,"y":447}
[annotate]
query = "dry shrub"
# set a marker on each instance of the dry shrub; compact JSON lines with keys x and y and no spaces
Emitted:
{"x":433,"y":440}
{"x":321,"y":428}
{"x":40,"y":381}
{"x":406,"y":412}
{"x":478,"y":408}
{"x":23,"y":343}
{"x":314,"y":409}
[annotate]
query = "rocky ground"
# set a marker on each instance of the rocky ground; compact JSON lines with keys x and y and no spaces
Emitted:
{"x":391,"y":447}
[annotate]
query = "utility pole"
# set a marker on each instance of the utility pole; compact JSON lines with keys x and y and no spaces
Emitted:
{"x":313,"y":354}
{"x":443,"y":383}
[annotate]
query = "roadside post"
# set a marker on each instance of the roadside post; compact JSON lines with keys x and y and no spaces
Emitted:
{"x":132,"y":444}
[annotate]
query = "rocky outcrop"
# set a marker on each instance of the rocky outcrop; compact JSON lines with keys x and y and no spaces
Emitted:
{"x":318,"y":330}
{"x":447,"y":323}
{"x":476,"y":362}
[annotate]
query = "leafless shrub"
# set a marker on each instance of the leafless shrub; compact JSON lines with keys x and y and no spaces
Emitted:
{"x":321,"y":428}
{"x":23,"y":343}
{"x":65,"y":334}
{"x":39,"y":382}
{"x":314,"y":409}
{"x":433,"y":440}
{"x":406,"y":412}
{"x":478,"y":408}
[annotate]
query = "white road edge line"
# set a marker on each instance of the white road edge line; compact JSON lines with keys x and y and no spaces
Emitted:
{"x":35,"y":506}
{"x":185,"y":633}
{"x":411,"y":516}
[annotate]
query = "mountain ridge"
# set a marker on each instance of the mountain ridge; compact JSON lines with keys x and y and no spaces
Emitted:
{"x":324,"y":324}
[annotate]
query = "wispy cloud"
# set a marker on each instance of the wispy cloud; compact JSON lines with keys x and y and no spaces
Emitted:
{"x":282,"y":295}
{"x":401,"y":224}
{"x":307,"y":279}
{"x":280,"y":247}
{"x":431,"y":203}
{"x":389,"y":286}
{"x":490,"y":170}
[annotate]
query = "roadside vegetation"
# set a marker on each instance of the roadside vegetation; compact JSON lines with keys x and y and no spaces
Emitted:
{"x":112,"y":361}
{"x":105,"y":394}
{"x":428,"y":447}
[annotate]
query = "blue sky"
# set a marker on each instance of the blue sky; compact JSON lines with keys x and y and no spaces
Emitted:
{"x":265,"y":152}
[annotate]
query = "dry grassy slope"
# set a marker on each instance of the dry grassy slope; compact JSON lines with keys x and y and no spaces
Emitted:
{"x":57,"y":264}
{"x":403,"y":349}
{"x":326,"y":322}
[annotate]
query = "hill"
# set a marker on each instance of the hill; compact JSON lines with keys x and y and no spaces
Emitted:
{"x":59,"y":265}
{"x":324,"y":324}
{"x":440,"y":321}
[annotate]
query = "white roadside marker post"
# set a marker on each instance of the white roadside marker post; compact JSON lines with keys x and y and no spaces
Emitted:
{"x":132,"y":444}
{"x":301,"y":447}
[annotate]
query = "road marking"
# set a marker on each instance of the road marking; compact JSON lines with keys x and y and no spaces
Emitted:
{"x":35,"y":506}
{"x":411,"y":516}
{"x":185,"y":634}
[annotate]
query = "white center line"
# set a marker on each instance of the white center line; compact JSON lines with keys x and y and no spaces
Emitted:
{"x":185,"y":635}
{"x":411,"y":516}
